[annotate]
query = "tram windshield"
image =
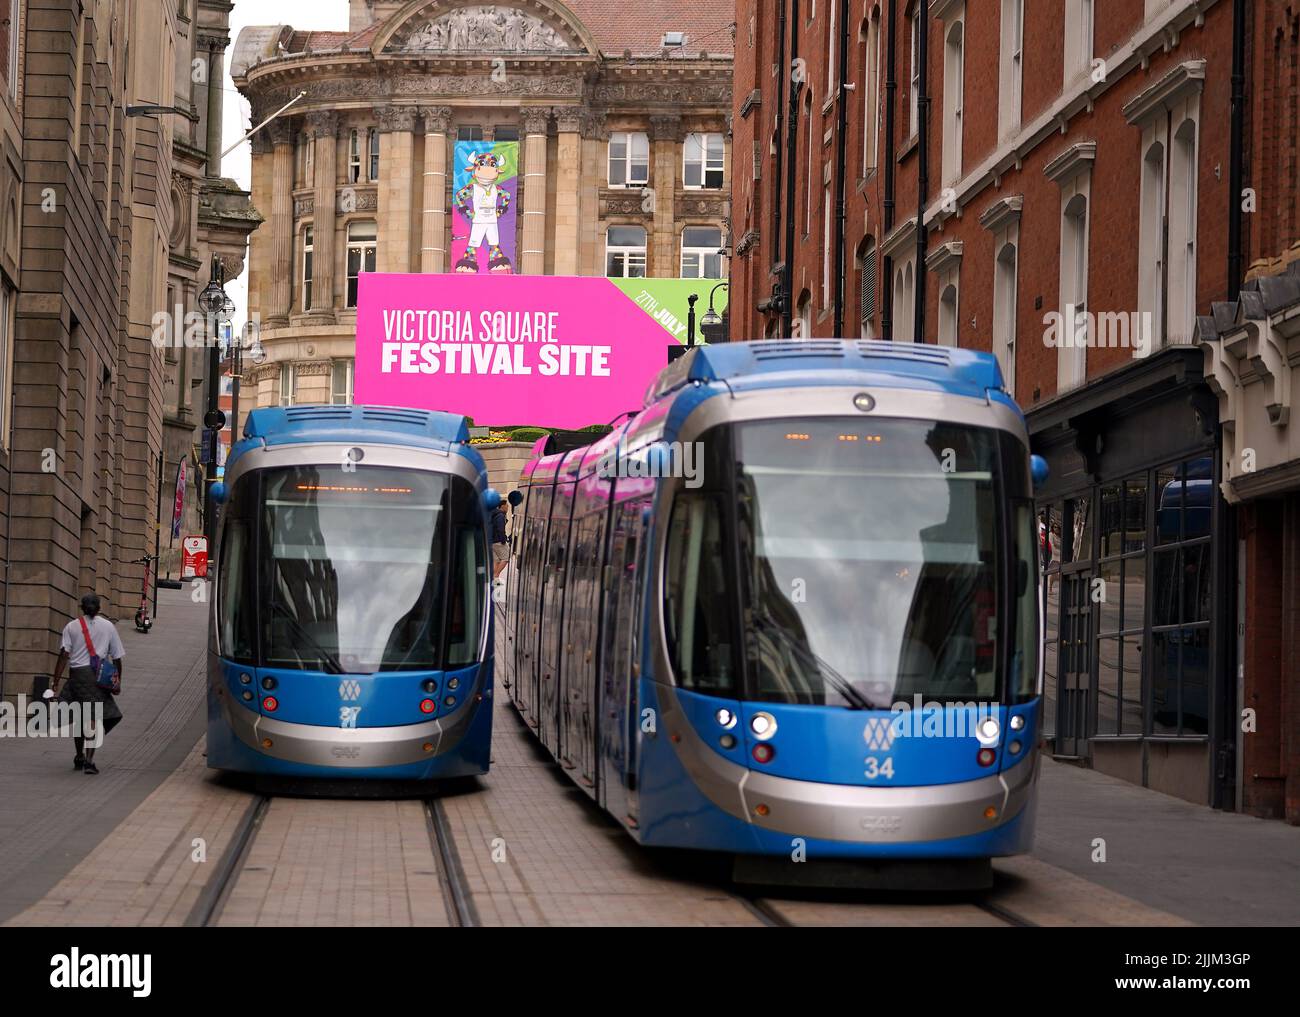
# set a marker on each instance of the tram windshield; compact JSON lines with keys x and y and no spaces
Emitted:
{"x":867,"y":560}
{"x":352,"y":572}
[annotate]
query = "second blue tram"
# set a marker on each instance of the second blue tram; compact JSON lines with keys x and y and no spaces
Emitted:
{"x":791,"y":604}
{"x":351,"y":627}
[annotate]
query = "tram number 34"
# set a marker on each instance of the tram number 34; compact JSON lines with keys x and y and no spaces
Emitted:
{"x":875,"y":768}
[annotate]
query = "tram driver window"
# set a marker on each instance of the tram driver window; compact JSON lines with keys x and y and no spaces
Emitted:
{"x":696,"y":598}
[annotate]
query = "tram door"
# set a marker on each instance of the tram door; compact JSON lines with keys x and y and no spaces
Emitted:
{"x":578,"y":672}
{"x":527,"y":626}
{"x":554,"y":576}
{"x":1076,"y":664}
{"x":619,"y":710}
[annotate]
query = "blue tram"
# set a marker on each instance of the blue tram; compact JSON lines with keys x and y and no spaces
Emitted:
{"x":350,"y":630}
{"x":791,"y":605}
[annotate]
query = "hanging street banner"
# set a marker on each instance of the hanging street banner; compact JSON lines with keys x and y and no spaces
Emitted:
{"x":483,"y":207}
{"x":554,"y":351}
{"x":178,"y":504}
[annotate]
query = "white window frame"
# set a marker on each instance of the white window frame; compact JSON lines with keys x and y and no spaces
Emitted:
{"x":1184,"y":154}
{"x":360,"y":245}
{"x":630,"y":253}
{"x":306,"y":277}
{"x":903,"y":311}
{"x":288,"y":383}
{"x":949,"y":314}
{"x":832,"y":52}
{"x":871,"y":95}
{"x":354,"y":156}
{"x":808,"y":173}
{"x":631,"y":141}
{"x":1153,"y":203}
{"x":1080,"y":18}
{"x":828,"y":240}
{"x":707,"y":162}
{"x":954,"y":93}
{"x":347,"y":367}
{"x":803,"y":317}
{"x":1006,"y":291}
{"x":6,"y":349}
{"x":914,"y":72}
{"x":1011,"y":67}
{"x":15,"y":26}
{"x":701,"y":254}
{"x":1076,"y":225}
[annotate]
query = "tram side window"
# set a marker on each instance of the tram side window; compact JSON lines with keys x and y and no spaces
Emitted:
{"x":696,"y":597}
{"x":236,"y":574}
{"x":467,"y":578}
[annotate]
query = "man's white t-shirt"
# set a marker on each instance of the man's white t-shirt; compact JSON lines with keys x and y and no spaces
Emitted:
{"x":103,"y":633}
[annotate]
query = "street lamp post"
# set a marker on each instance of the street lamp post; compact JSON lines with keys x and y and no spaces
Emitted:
{"x":712,"y":318}
{"x":213,"y":302}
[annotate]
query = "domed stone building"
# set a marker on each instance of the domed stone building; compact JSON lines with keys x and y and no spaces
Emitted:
{"x":622,"y":125}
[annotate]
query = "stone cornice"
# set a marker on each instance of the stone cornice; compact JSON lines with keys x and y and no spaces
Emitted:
{"x":942,"y":9}
{"x":1187,"y":78}
{"x":944,"y":256}
{"x":1069,"y":163}
{"x":1002,"y":212}
{"x":898,"y":238}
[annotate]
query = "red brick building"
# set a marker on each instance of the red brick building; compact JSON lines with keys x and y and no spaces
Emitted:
{"x":1079,"y":170}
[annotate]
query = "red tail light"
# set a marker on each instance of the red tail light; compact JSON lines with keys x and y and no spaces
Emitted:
{"x":763,"y":753}
{"x":270,"y":704}
{"x":427,"y":706}
{"x":985,"y":757}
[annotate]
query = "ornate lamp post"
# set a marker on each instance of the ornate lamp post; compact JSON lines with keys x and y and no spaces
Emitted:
{"x":214,"y":303}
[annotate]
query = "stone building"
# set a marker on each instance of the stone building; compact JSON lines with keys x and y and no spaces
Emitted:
{"x":88,"y":215}
{"x":623,"y":148}
{"x":213,"y":218}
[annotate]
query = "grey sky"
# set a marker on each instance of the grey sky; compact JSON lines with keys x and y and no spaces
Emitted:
{"x":316,"y":15}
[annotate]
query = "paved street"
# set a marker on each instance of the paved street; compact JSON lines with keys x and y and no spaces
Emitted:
{"x":147,"y":841}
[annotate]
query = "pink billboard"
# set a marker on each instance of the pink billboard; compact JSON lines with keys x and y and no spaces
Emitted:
{"x":555,"y":351}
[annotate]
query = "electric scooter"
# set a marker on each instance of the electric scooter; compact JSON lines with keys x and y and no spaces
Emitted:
{"x":143,"y":620}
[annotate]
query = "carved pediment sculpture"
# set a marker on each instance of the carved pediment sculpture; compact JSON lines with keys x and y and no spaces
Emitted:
{"x":473,"y":30}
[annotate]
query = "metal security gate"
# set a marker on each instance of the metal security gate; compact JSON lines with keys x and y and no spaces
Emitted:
{"x":1072,"y":724}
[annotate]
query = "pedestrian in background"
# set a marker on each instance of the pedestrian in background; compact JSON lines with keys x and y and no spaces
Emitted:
{"x":84,"y":637}
{"x":500,"y":540}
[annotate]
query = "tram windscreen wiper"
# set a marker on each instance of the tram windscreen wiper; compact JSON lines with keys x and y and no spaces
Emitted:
{"x":856,"y":701}
{"x":332,"y":665}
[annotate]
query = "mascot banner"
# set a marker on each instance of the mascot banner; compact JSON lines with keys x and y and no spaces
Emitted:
{"x":555,"y":351}
{"x":483,"y":207}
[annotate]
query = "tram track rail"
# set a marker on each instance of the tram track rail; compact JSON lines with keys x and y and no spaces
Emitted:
{"x":212,"y":899}
{"x":451,"y":874}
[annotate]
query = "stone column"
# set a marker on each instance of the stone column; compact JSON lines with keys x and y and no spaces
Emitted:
{"x":433,"y":245}
{"x":532,"y":259}
{"x":323,"y":127}
{"x":665,"y":132}
{"x":568,"y":169}
{"x":281,"y":223}
{"x":591,"y":239}
{"x":259,"y":241}
{"x":396,"y":161}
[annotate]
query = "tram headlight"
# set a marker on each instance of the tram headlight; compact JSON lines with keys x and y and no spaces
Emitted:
{"x":725,"y":718}
{"x":1017,"y":723}
{"x":429,"y":685}
{"x":988,"y":730}
{"x":453,"y":683}
{"x":763,"y":725}
{"x":245,"y":679}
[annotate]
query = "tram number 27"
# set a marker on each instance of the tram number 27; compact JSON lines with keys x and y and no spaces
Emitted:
{"x":875,"y":768}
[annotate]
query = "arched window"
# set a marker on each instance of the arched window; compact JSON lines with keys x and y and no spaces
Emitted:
{"x":870,"y":90}
{"x":1182,"y":233}
{"x":1004,"y":313}
{"x":867,"y":286}
{"x":1151,"y":237}
{"x":803,"y":319}
{"x":948,"y":316}
{"x":954,"y":70}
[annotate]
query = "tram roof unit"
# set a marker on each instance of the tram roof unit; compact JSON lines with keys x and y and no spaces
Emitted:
{"x":436,"y":431}
{"x":772,"y":363}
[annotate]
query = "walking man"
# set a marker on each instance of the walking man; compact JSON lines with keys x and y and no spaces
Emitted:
{"x":83,"y":637}
{"x":500,"y":541}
